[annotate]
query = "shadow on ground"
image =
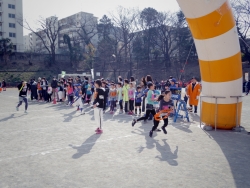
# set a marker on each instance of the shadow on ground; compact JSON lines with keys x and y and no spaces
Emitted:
{"x":236,"y":148}
{"x":86,"y":146}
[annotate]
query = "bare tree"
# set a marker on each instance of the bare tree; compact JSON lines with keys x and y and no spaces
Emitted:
{"x":166,"y":40}
{"x":47,"y":33}
{"x":242,"y":17}
{"x":124,"y":32}
{"x":147,"y":23}
{"x":85,"y":28}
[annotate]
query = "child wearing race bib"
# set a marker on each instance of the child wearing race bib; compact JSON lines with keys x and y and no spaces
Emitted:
{"x":112,"y":97}
{"x":165,"y":104}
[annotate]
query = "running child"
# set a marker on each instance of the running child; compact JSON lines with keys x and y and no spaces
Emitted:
{"x":165,"y":104}
{"x":150,"y":104}
{"x":23,"y":90}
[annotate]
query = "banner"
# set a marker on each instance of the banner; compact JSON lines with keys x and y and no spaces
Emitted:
{"x":246,"y":76}
{"x":92,"y":74}
{"x":63,"y":74}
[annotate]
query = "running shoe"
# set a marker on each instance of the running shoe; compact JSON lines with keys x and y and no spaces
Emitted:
{"x":164,"y":130}
{"x":82,"y":113}
{"x":25,"y":112}
{"x":157,"y":130}
{"x":133,"y":122}
{"x":151,"y":133}
{"x":17,"y":109}
{"x":100,"y":131}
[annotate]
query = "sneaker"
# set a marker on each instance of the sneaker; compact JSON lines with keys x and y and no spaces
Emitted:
{"x":121,"y":112}
{"x":133,"y":123}
{"x":164,"y":130}
{"x":25,"y":112}
{"x":82,"y":113}
{"x":151,"y":133}
{"x":100,"y":131}
{"x":17,"y":109}
{"x":195,"y":112}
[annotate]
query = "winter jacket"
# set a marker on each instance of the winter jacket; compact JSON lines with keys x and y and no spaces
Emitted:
{"x":54,"y":84}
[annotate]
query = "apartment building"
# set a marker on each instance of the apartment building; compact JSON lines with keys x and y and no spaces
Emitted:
{"x":72,"y":26}
{"x":29,"y":42}
{"x":10,"y":10}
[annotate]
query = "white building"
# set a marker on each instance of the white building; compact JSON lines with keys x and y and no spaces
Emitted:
{"x":26,"y":43}
{"x":72,"y":26}
{"x":29,"y":42}
{"x":9,"y":28}
{"x":52,"y":23}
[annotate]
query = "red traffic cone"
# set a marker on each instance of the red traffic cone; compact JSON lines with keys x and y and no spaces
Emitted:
{"x":54,"y":101}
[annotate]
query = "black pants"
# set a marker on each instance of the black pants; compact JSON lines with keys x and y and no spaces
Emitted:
{"x":44,"y":95}
{"x":24,"y":99}
{"x":49,"y":97}
{"x":126,"y":106}
{"x":195,"y":108}
{"x":131,"y":105}
{"x":156,"y":123}
{"x":88,"y":98}
{"x":186,"y":99}
{"x":121,"y":105}
{"x":34,"y":95}
{"x":148,"y":112}
{"x":105,"y":103}
{"x":112,"y":105}
{"x":143,"y":104}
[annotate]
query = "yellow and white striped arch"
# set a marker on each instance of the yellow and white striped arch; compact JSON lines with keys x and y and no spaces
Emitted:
{"x":213,"y":27}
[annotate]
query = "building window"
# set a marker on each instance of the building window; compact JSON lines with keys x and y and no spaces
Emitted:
{"x":12,"y":35}
{"x":12,"y":25}
{"x":12,"y":15}
{"x":11,"y":6}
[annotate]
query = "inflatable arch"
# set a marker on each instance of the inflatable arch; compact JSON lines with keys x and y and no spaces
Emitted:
{"x":213,"y":28}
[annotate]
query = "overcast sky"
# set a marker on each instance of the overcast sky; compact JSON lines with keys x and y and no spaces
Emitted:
{"x":33,"y":9}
